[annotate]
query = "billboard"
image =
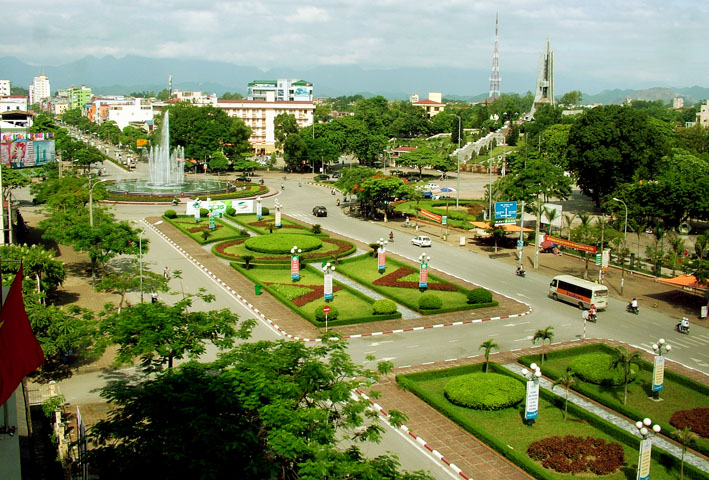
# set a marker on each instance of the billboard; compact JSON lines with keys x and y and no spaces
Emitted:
{"x":27,"y":153}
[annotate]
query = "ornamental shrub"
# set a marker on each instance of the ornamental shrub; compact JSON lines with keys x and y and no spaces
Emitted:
{"x":697,"y":419}
{"x":320,"y":317}
{"x":384,"y":307}
{"x":316,"y":229}
{"x":596,"y":368}
{"x":203,"y":212}
{"x":282,"y":243}
{"x":574,"y":455}
{"x":429,"y":301}
{"x":479,"y":295}
{"x":170,"y":214}
{"x":264,"y":211}
{"x":484,"y":391}
{"x":231,"y":211}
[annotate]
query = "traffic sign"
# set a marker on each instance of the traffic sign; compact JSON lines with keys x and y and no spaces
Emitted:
{"x":504,"y":210}
{"x":326,"y":309}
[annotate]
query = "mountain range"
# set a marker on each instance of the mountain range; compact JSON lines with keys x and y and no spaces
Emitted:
{"x":120,"y":76}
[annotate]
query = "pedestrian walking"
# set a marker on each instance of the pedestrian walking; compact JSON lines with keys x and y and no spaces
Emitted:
{"x":166,"y":273}
{"x":154,"y":297}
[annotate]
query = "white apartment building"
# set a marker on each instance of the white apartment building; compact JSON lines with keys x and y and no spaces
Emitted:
{"x":703,"y":115}
{"x":5,"y":88}
{"x":197,"y":98}
{"x":132,"y":112}
{"x":259,"y":115}
{"x":39,"y":89}
{"x":283,"y":89}
{"x":433,"y":105}
{"x":11,"y":103}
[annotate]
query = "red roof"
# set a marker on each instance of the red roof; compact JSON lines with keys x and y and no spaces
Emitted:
{"x":405,"y":149}
{"x":427,"y":102}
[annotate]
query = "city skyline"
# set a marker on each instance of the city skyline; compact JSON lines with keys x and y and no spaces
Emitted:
{"x":639,"y":44}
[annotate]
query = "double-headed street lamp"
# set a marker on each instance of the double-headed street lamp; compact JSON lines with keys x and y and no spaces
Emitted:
{"x":625,"y":243}
{"x":645,"y":450}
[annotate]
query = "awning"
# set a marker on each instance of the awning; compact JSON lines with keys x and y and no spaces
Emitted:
{"x":684,"y":281}
{"x":507,"y":227}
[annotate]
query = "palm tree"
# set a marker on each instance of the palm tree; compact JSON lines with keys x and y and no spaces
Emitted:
{"x":567,"y":380}
{"x":551,"y":214}
{"x":684,"y":437}
{"x":543,"y":335}
{"x":584,"y":234}
{"x":569,"y":217}
{"x":488,"y":345}
{"x":624,"y":359}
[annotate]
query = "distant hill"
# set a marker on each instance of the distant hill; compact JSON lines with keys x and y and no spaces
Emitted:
{"x":110,"y":75}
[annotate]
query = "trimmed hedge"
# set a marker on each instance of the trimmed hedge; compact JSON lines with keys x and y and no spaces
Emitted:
{"x":170,"y":213}
{"x":282,"y":243}
{"x":484,"y":391}
{"x":596,"y":368}
{"x":479,"y":295}
{"x":429,"y":301}
{"x":384,"y":307}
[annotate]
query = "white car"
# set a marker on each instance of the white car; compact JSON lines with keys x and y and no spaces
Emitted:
{"x":429,"y":187}
{"x":421,"y":241}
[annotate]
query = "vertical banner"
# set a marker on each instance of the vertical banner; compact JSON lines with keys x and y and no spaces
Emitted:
{"x":644,"y":460}
{"x":259,"y":209}
{"x":212,"y":225}
{"x":278,"y":217}
{"x":531,"y":404}
{"x":294,"y":267}
{"x":196,"y":205}
{"x":423,"y":276}
{"x":658,"y":373}
{"x":381,"y":259}
{"x":327,"y":279}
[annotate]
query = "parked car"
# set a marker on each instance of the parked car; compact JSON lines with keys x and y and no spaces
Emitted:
{"x":421,"y":241}
{"x":429,"y":187}
{"x":322,"y":177}
{"x":336,"y":175}
{"x":243,"y":178}
{"x":320,"y":211}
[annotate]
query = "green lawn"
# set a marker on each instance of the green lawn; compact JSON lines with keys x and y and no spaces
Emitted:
{"x":505,"y":431}
{"x":353,"y":306}
{"x":676,"y":395}
{"x":252,"y":222}
{"x":187,"y":225}
{"x":363,"y":269}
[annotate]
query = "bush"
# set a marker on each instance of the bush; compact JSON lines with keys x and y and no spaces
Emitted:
{"x":574,"y":455}
{"x":596,"y":368}
{"x":170,"y":214}
{"x":484,"y":391}
{"x":264,"y":211}
{"x":231,"y":211}
{"x":316,"y":229}
{"x":282,"y":243}
{"x":203,"y":212}
{"x":479,"y":295}
{"x":384,"y":307}
{"x":320,"y":316}
{"x":697,"y":419}
{"x":429,"y":301}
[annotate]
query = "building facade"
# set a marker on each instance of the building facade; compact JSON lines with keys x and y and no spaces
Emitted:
{"x":5,"y":88}
{"x":259,"y":115}
{"x":703,"y":115}
{"x":79,"y":96}
{"x":197,"y":98}
{"x":39,"y":89}
{"x":13,"y":103}
{"x":283,"y":89}
{"x":433,"y":105}
{"x":130,"y":112}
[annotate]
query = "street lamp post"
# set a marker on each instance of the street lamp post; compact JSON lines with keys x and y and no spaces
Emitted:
{"x":457,"y":163}
{"x":658,"y":370}
{"x":625,"y":243}
{"x":645,"y":451}
{"x":531,"y":404}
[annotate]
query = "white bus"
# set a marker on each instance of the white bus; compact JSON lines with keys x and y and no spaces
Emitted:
{"x":578,"y":292}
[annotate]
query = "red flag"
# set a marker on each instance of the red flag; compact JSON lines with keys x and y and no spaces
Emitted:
{"x":20,"y":353}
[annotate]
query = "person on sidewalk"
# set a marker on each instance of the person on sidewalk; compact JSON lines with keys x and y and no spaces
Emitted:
{"x":166,"y":273}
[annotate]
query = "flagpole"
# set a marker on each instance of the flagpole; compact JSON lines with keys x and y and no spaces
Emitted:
{"x":2,"y":207}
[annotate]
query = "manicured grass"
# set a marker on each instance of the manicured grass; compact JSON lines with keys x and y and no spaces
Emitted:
{"x":330,"y":248}
{"x":363,"y":269}
{"x":679,"y":393}
{"x":504,"y":430}
{"x":185,"y":223}
{"x":353,"y":306}
{"x":261,"y":227}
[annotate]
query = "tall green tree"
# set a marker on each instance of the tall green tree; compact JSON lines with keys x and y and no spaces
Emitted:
{"x":283,"y":125}
{"x":219,"y":163}
{"x":612,"y":145}
{"x":684,"y":437}
{"x":266,"y":410}
{"x":571,"y":98}
{"x":625,"y":360}
{"x":132,"y":280}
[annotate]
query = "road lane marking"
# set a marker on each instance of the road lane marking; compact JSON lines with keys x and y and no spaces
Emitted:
{"x":412,"y":346}
{"x":523,"y":339}
{"x":376,"y":344}
{"x":453,"y":341}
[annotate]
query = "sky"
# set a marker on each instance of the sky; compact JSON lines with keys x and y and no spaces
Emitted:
{"x":625,"y":43}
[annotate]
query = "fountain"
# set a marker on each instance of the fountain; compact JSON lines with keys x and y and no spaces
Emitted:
{"x":167,"y":173}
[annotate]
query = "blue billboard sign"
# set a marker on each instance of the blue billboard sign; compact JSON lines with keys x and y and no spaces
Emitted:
{"x":505,"y":212}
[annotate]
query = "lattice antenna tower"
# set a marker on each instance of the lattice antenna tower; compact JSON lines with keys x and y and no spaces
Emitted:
{"x":495,"y":75}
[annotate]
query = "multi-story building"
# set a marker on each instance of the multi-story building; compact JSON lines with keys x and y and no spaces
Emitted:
{"x":703,"y":115}
{"x":283,"y":89}
{"x":39,"y":89}
{"x":433,"y":104}
{"x":197,"y":98}
{"x":259,"y":115}
{"x":13,"y":103}
{"x":5,"y":88}
{"x":677,"y":102}
{"x":131,"y":112}
{"x":79,"y":96}
{"x":59,"y":106}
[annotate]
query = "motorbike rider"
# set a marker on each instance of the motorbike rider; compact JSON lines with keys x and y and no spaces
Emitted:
{"x":283,"y":187}
{"x":520,"y":269}
{"x":391,"y":236}
{"x":592,"y":313}
{"x":684,"y":324}
{"x":634,"y":304}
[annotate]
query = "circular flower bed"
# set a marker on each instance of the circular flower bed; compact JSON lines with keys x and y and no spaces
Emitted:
{"x":574,"y":455}
{"x":282,"y":243}
{"x":596,"y":368}
{"x":697,"y":419}
{"x":485,"y":391}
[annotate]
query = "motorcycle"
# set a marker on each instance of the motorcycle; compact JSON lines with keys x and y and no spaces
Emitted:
{"x":391,"y":237}
{"x":521,"y":273}
{"x":680,"y":329}
{"x":592,"y":317}
{"x":283,"y":187}
{"x":631,"y":309}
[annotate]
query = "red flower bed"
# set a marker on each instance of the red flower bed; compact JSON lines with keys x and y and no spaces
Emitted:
{"x":316,"y":292}
{"x":697,"y":419}
{"x":223,"y":246}
{"x":203,"y":228}
{"x":266,"y":223}
{"x":392,"y":280}
{"x":574,"y":455}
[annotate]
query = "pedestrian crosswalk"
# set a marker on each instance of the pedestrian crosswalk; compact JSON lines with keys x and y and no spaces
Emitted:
{"x":690,"y":341}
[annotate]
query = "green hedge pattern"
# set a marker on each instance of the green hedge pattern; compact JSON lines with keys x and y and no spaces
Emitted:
{"x":485,"y":391}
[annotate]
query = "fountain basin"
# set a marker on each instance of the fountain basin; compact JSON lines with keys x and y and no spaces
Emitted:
{"x":188,"y":188}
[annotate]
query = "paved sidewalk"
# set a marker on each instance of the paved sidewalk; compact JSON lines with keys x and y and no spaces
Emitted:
{"x":618,"y":421}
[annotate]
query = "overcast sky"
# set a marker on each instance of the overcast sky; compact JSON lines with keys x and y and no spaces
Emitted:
{"x":623,"y":43}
